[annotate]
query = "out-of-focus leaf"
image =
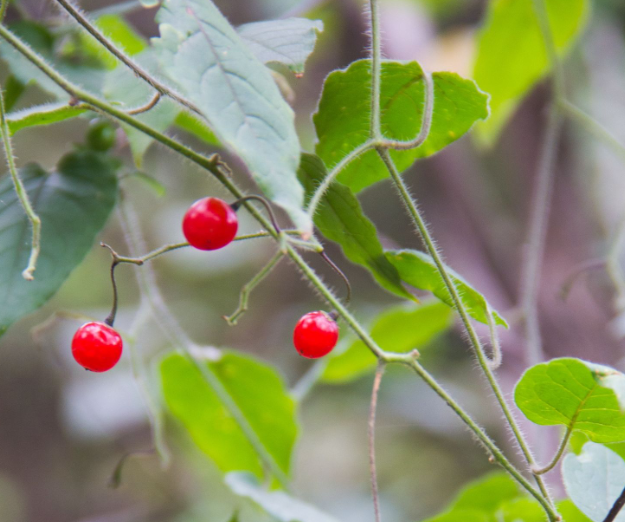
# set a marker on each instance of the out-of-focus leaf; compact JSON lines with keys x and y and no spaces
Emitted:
{"x":511,"y":55}
{"x":13,"y":89}
{"x":42,"y":115}
{"x":73,"y":203}
{"x":342,"y":121}
{"x":400,"y":329}
{"x":288,"y":42}
{"x":575,"y":394}
{"x":419,"y":270}
{"x":276,"y":503}
{"x":212,"y":66}
{"x":249,"y":383}
{"x":340,"y":218}
{"x":594,"y":480}
{"x":195,"y":126}
{"x":570,"y":512}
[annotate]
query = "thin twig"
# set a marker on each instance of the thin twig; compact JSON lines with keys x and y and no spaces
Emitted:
{"x":110,"y":320}
{"x":22,"y":194}
{"x":348,"y":286}
{"x":145,"y":108}
{"x":616,"y":508}
{"x":573,"y":277}
{"x":233,"y":318}
{"x":372,"y":467}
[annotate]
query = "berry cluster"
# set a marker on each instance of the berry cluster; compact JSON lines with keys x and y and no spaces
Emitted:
{"x":209,"y":224}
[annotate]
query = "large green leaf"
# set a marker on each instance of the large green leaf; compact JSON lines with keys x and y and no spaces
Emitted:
{"x":42,"y":115}
{"x":259,"y":393}
{"x":511,"y":55}
{"x":342,"y":120}
{"x":594,"y":480}
{"x":575,"y":394}
{"x":203,"y":54}
{"x":400,"y":329}
{"x":570,"y":512}
{"x":276,"y":503}
{"x":419,"y":270}
{"x":73,"y":203}
{"x":340,"y":218}
{"x":288,"y":42}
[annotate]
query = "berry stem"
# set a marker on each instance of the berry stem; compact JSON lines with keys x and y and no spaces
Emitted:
{"x":235,"y":206}
{"x":110,"y":320}
{"x":327,"y":259}
{"x":372,"y":466}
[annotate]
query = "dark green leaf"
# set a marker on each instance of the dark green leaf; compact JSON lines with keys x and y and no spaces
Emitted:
{"x":342,"y":120}
{"x":419,"y":270}
{"x":400,"y":329}
{"x":594,"y":480}
{"x":576,"y":394}
{"x":42,"y":115}
{"x":13,"y":89}
{"x":288,"y":41}
{"x":511,"y":55}
{"x":212,"y":66}
{"x":73,"y":203}
{"x":210,"y":424}
{"x":340,"y":218}
{"x":276,"y":503}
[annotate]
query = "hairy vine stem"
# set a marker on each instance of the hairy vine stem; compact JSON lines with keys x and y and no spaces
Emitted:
{"x":215,"y":167}
{"x":21,"y":192}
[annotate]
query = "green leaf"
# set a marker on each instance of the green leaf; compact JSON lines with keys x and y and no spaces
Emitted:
{"x":288,"y":41}
{"x":594,"y":480}
{"x":42,"y":115}
{"x":570,"y":512}
{"x":249,"y":383}
{"x":237,"y":94}
{"x":276,"y":503}
{"x":419,"y":270}
{"x":340,"y":218}
{"x":461,"y":515}
{"x":521,"y":510}
{"x":575,"y":394}
{"x":342,"y":120}
{"x":400,"y":329}
{"x":195,"y":126}
{"x":13,"y":90}
{"x":511,"y":55}
{"x":73,"y":203}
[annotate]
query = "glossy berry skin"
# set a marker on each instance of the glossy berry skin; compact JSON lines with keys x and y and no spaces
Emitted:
{"x":210,"y":224}
{"x":97,"y":347}
{"x":315,"y":335}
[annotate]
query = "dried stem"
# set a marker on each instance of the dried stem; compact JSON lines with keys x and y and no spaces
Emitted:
{"x":372,"y":467}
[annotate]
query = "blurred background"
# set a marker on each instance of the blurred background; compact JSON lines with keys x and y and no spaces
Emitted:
{"x":62,"y":431}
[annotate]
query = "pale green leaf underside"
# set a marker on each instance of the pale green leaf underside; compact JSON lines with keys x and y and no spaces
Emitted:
{"x":288,"y":42}
{"x":206,"y":58}
{"x":73,"y":203}
{"x":340,"y":218}
{"x":419,"y":270}
{"x":511,"y":55}
{"x":211,"y":426}
{"x":342,"y":120}
{"x":593,"y":480}
{"x":576,"y":394}
{"x":399,"y":329}
{"x":278,"y":504}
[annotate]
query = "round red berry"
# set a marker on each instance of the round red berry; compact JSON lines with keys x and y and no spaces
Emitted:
{"x":315,"y":335}
{"x":210,"y":224}
{"x":97,"y":347}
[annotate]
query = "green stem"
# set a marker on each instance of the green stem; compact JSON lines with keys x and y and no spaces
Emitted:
{"x":558,"y":455}
{"x":249,"y":287}
{"x":22,"y":194}
{"x":329,"y":179}
{"x":213,"y":165}
{"x":4,"y":4}
{"x":376,"y":69}
{"x":490,"y":446}
{"x":542,"y":14}
{"x":138,"y":70}
{"x":460,"y":307}
{"x":372,"y":414}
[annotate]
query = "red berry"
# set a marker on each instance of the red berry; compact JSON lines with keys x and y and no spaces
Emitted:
{"x":210,"y":224}
{"x":315,"y":335}
{"x":97,"y":347}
